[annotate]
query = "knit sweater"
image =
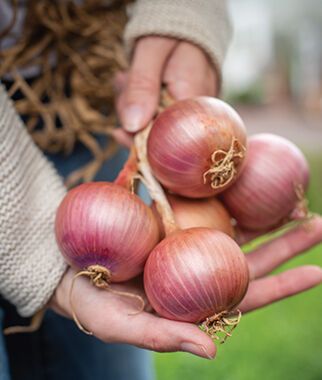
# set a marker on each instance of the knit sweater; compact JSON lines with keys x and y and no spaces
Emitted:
{"x":31,"y":190}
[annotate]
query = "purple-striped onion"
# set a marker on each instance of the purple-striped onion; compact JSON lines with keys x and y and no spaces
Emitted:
{"x":195,"y":273}
{"x":103,"y":224}
{"x":274,"y":177}
{"x":196,"y":147}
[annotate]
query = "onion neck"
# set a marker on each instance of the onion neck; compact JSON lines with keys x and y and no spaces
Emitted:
{"x":154,"y":188}
{"x":129,"y":172}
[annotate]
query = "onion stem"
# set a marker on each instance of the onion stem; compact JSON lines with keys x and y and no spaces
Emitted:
{"x":154,"y":188}
{"x":128,"y":174}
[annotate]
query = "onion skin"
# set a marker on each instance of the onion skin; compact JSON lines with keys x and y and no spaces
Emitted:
{"x":265,"y":192}
{"x":188,"y":213}
{"x":183,"y":139}
{"x":194,"y":274}
{"x":101,"y":223}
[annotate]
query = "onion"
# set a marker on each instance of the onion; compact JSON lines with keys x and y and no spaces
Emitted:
{"x":194,"y":274}
{"x":103,"y":224}
{"x":209,"y":212}
{"x":274,"y":175}
{"x":196,"y":147}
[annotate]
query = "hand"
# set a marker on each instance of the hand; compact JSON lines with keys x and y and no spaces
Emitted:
{"x":107,"y":314}
{"x":183,"y":67}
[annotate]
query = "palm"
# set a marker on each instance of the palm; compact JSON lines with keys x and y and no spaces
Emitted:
{"x":108,"y":315}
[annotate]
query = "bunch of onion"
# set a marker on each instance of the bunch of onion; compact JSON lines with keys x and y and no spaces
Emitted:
{"x":196,"y":147}
{"x":106,"y":230}
{"x":272,"y":184}
{"x":195,"y":275}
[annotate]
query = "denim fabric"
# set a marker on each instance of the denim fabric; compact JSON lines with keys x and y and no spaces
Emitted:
{"x":4,"y":367}
{"x":59,"y":350}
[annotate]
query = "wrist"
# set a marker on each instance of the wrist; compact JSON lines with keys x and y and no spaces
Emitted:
{"x":59,"y":300}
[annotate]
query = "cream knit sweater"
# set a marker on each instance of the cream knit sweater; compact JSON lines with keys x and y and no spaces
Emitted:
{"x":30,"y":189}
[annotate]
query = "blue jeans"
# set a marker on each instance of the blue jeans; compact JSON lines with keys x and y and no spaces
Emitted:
{"x":59,"y":350}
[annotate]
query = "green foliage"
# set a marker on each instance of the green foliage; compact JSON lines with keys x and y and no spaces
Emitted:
{"x":280,"y":341}
{"x":255,"y":94}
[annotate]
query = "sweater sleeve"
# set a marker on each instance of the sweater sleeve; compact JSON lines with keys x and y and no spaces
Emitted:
{"x":30,"y":192}
{"x":205,"y":23}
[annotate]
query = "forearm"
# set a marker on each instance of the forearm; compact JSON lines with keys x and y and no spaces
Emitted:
{"x":30,"y":192}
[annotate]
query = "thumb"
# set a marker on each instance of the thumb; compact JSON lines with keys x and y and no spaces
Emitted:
{"x":189,"y":73}
{"x":140,"y":97}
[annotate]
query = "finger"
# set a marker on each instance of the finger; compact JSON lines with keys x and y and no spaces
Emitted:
{"x":123,"y":138}
{"x":267,"y":290}
{"x":269,"y":256}
{"x":119,"y":82}
{"x":154,"y":333}
{"x":243,"y":236}
{"x":108,"y":317}
{"x":161,"y":335}
{"x":189,"y":72}
{"x":139,"y":100}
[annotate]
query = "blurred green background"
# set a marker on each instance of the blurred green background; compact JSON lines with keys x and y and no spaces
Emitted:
{"x":273,"y":77}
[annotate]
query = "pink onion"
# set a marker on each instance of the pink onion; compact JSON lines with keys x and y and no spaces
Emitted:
{"x":196,"y":147}
{"x":274,"y":174}
{"x":195,"y":273}
{"x":103,"y":224}
{"x":207,"y":212}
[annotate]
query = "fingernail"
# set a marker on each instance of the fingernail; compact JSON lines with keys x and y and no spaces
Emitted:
{"x":196,"y":349}
{"x":132,"y":118}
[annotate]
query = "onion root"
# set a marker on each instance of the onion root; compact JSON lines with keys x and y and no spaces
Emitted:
{"x":221,"y":323}
{"x":223,"y":169}
{"x":101,"y":278}
{"x":34,"y":325}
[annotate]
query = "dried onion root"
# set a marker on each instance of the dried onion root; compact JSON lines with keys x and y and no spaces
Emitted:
{"x":73,"y":100}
